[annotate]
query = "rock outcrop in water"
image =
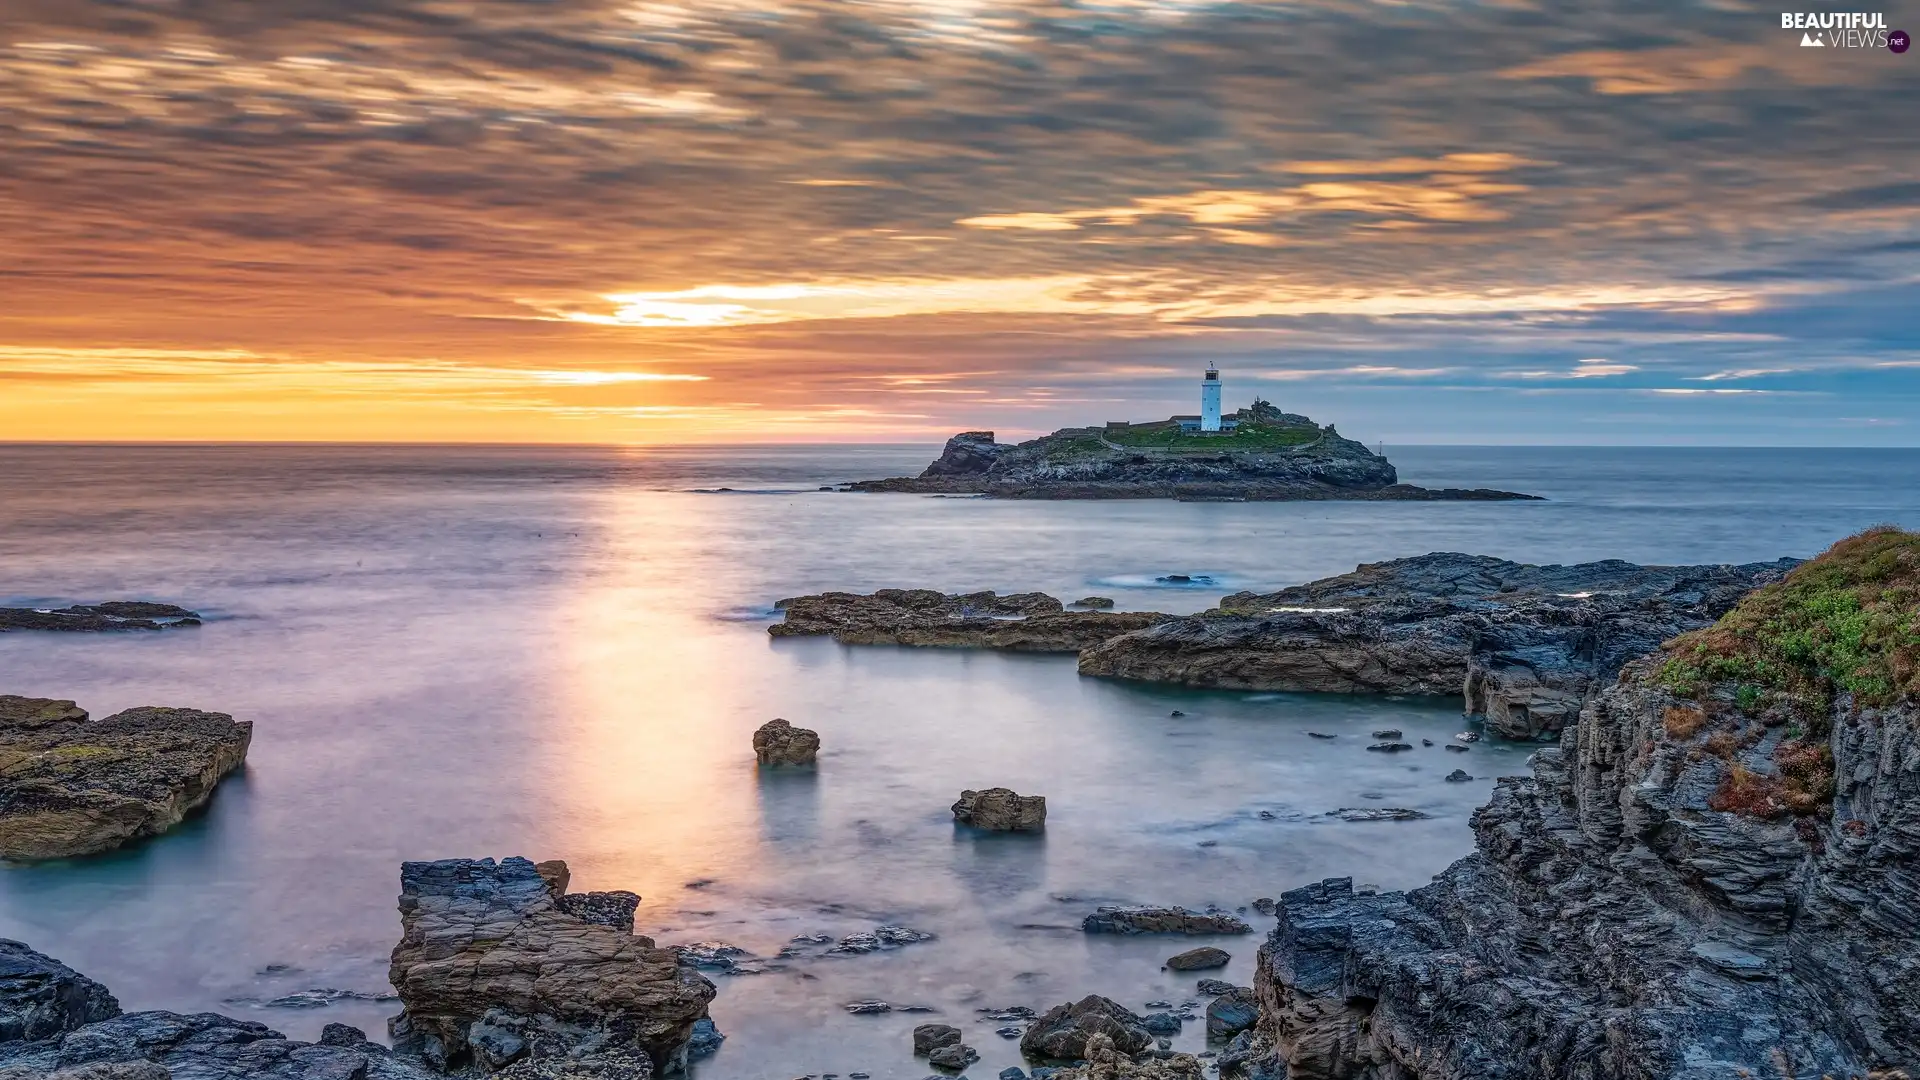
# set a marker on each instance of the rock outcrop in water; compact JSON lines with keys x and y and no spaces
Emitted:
{"x":1021,"y":622}
{"x":779,"y":743}
{"x":56,"y":1024}
{"x":112,"y":615}
{"x":495,"y":973}
{"x":1525,"y":645}
{"x":1143,"y":919}
{"x":1270,"y":455}
{"x":1063,"y":1033}
{"x":70,"y":786}
{"x":1001,"y":810}
{"x":1713,"y":875}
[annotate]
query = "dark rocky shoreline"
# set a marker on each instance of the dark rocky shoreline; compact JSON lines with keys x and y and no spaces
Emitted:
{"x":111,"y":615}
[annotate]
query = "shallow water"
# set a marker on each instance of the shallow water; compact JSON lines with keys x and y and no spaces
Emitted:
{"x":561,"y":653}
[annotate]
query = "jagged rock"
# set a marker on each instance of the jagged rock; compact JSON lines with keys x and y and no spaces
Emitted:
{"x":1161,"y":1023}
{"x":41,"y":998}
{"x":1141,"y":919}
{"x":780,"y":743}
{"x":1020,"y":622}
{"x":955,"y":1056}
{"x":705,"y":1041}
{"x":112,"y":615}
{"x":1458,"y":776}
{"x":1062,"y":1033}
{"x":1232,"y":1012}
{"x":1106,"y":1061}
{"x":72,"y":787}
{"x":1213,"y":986}
{"x":1001,"y":810}
{"x":1272,"y":455}
{"x":1524,"y":644}
{"x":930,"y":1037}
{"x":134,"y":1045}
{"x":1264,"y":905}
{"x":1640,"y":908}
{"x":1199,"y":959}
{"x":488,"y":945}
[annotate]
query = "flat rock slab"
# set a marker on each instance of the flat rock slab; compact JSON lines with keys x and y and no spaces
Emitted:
{"x":112,"y":615}
{"x":1018,"y":622}
{"x":1116,"y":919}
{"x":72,"y":787}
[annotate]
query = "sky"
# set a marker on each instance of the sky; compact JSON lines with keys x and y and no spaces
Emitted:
{"x":1428,"y":221}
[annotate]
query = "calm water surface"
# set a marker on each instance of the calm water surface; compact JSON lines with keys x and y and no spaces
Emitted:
{"x":561,"y":653}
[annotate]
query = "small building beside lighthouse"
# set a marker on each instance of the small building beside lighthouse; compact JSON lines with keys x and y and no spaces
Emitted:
{"x":1209,"y":420}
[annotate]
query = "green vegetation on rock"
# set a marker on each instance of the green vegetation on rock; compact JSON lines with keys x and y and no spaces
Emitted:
{"x":1248,"y":436}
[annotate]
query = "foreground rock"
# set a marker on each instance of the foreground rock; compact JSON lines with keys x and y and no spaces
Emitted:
{"x":1712,"y":875}
{"x":492,"y":971}
{"x":1001,"y":810}
{"x":1021,"y":622}
{"x":780,"y":743}
{"x":1201,"y":959}
{"x":112,"y":615}
{"x":1271,"y":455}
{"x":1062,"y":1033}
{"x":1119,"y":919}
{"x":72,"y":787}
{"x":56,"y":1024}
{"x":1104,"y":1061}
{"x":1525,"y":645}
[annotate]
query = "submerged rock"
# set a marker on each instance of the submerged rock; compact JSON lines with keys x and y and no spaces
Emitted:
{"x":1376,"y":813}
{"x":1062,"y":1032}
{"x":1141,"y":919}
{"x":1199,"y":959}
{"x":1001,"y":810}
{"x":490,"y":965}
{"x":112,"y":615}
{"x":1525,"y":645}
{"x":780,"y":743}
{"x":930,"y":1037}
{"x":72,"y":787}
{"x":1021,"y":622}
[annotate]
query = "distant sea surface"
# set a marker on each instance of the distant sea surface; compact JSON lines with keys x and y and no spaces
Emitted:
{"x":561,"y":653}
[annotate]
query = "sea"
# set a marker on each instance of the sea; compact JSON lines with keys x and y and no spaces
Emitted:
{"x":561,"y":652}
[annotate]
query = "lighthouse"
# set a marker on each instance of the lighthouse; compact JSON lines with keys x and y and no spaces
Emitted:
{"x":1210,"y":400}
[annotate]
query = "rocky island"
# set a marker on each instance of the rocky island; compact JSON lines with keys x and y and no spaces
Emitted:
{"x":111,"y":615}
{"x":70,"y":786}
{"x":1259,"y":454}
{"x":1712,"y":875}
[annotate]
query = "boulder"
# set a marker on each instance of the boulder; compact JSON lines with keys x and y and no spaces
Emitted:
{"x":1142,"y":919}
{"x":930,"y":1037}
{"x":955,"y":1056}
{"x":1096,"y":603}
{"x":1062,"y":1032}
{"x":1232,"y":1012}
{"x":1199,"y":959}
{"x":780,"y":743}
{"x":488,"y":956}
{"x":41,"y":998}
{"x":72,"y":787}
{"x":1001,"y":810}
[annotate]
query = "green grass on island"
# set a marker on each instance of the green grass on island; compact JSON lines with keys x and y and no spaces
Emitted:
{"x":1249,"y":436}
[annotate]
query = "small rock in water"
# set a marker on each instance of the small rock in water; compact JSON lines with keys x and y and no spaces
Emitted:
{"x":1390,"y":747}
{"x":1159,"y":1004}
{"x":1001,"y":810}
{"x":1426,"y":742}
{"x":956,"y":1057}
{"x":859,"y":1076}
{"x":709,"y":955}
{"x":1266,"y":905}
{"x":1458,"y":775}
{"x":868,"y":1008}
{"x":698,"y":883}
{"x":1214,"y":987}
{"x":1318,"y":735}
{"x":1120,"y":919}
{"x":930,"y":1037}
{"x":1456,"y":748}
{"x":1162,"y":1023}
{"x":780,"y":743}
{"x":1387,"y":733}
{"x":1468,"y":736}
{"x":1267,"y":815}
{"x":1208,"y":843}
{"x":1232,"y":1013}
{"x":1175,"y":579}
{"x":1100,"y":603}
{"x":1376,"y":813}
{"x":1199,"y":959}
{"x":706,"y":1039}
{"x":1176,"y":712}
{"x":1009,"y":1032}
{"x":1013,"y":1072}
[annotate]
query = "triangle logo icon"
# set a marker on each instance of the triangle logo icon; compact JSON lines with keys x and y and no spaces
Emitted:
{"x":1809,"y":41}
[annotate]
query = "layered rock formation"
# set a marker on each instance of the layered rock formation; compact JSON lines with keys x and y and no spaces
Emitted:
{"x":1001,"y":810}
{"x":112,"y":615}
{"x":1021,"y":622}
{"x":1064,"y":1032}
{"x":73,"y":787}
{"x":495,"y":973}
{"x":1270,"y":455}
{"x":1713,"y":875}
{"x":56,"y":1024}
{"x":778,"y":743}
{"x":1524,"y":645}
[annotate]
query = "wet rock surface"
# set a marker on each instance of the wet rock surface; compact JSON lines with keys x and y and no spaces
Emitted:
{"x":1200,"y":959}
{"x":1524,"y":645}
{"x":41,"y":998}
{"x":112,"y":615}
{"x":1001,"y":810}
{"x":1062,"y":1033}
{"x":70,"y":786}
{"x":491,"y":970}
{"x":1618,"y":921}
{"x":1143,"y":919}
{"x":779,"y":743}
{"x":1020,"y":622}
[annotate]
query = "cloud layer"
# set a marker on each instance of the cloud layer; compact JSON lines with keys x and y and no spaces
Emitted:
{"x":586,"y":219}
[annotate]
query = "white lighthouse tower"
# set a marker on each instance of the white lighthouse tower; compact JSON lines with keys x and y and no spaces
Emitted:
{"x":1210,"y":400}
